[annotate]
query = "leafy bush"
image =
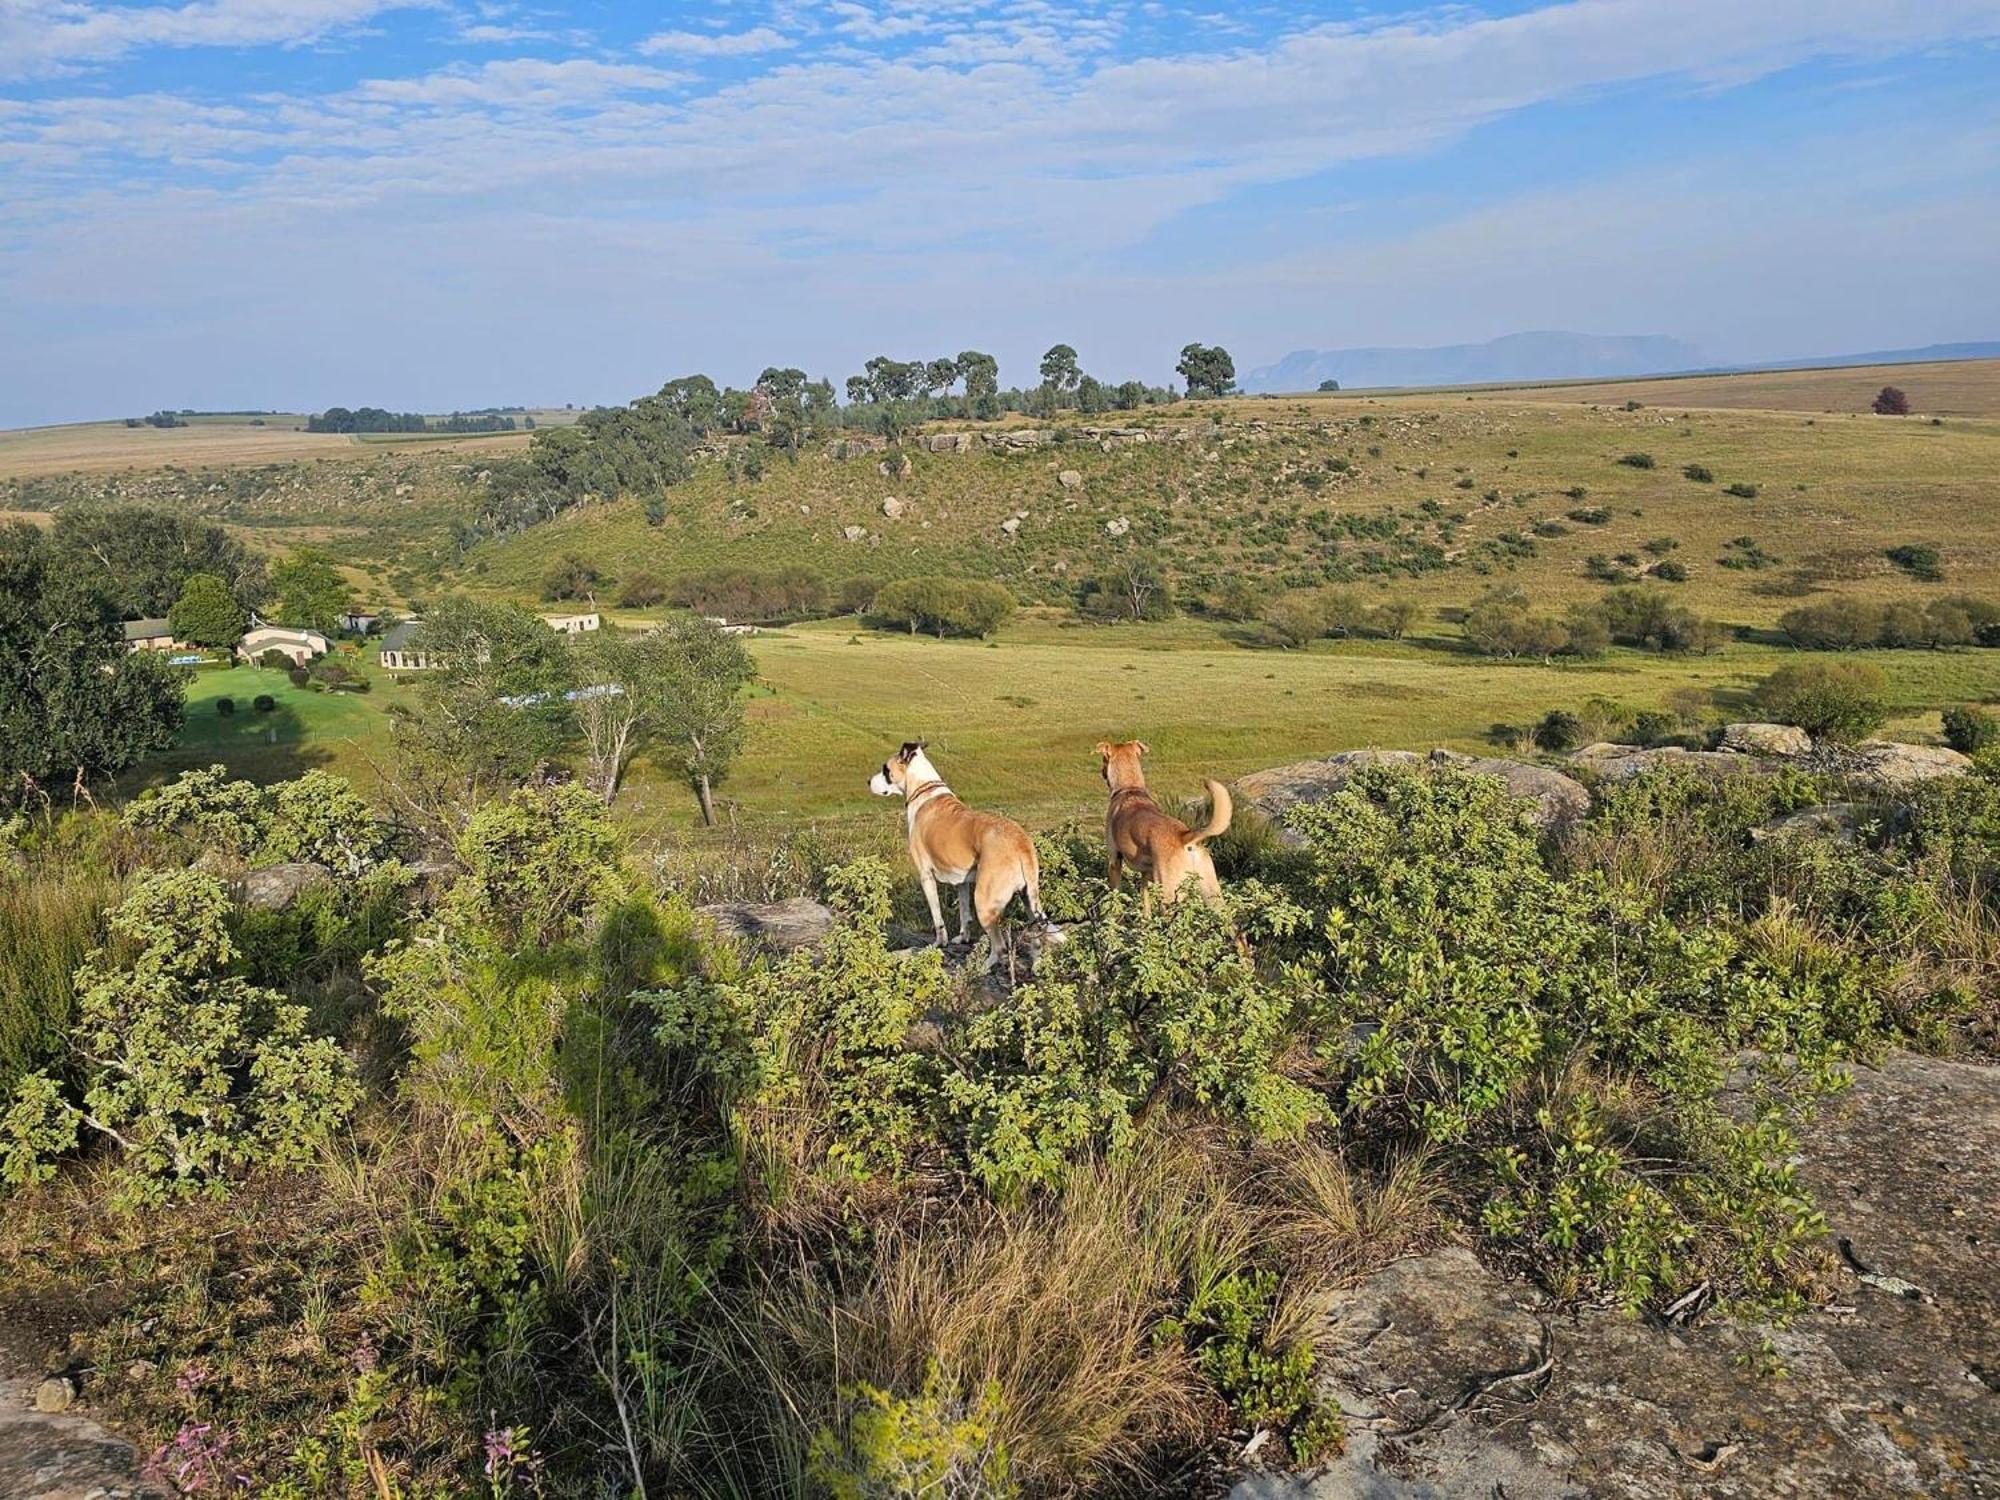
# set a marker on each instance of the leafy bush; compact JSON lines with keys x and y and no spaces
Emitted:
{"x":225,"y":705}
{"x":1559,"y":730}
{"x":194,"y":1074}
{"x":1969,"y":730}
{"x":1670,"y":571}
{"x":1837,"y":701}
{"x":1637,"y":460}
{"x":641,"y":591}
{"x":1851,"y":624}
{"x":1740,"y":490}
{"x":1890,"y":402}
{"x":929,"y":1444}
{"x":1699,"y":473}
{"x":942,"y":606}
{"x":264,"y":703}
{"x":1919,"y":560}
{"x":1595,"y":515}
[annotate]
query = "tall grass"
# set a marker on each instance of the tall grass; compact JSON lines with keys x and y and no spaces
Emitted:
{"x":48,"y":921}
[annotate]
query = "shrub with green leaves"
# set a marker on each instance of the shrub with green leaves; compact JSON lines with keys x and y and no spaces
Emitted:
{"x":1837,"y":701}
{"x":933,"y":1445}
{"x":191,"y":1073}
{"x":1969,"y":730}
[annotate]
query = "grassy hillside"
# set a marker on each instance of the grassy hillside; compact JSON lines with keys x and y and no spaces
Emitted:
{"x":1963,"y":388}
{"x":1409,"y":496}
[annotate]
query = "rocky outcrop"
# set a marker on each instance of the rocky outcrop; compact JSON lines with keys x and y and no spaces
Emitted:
{"x":1766,"y":739}
{"x":277,"y":887}
{"x":1460,"y":1384}
{"x":1558,"y":799}
{"x":49,"y":1452}
{"x":1841,"y":822}
{"x":1895,"y":766}
{"x":1622,"y":762}
{"x":779,"y":926}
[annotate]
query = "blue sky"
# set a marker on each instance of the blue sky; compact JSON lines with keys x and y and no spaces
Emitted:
{"x":458,"y":203}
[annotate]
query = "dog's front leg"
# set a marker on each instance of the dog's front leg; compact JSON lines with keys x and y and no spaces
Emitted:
{"x":937,"y":911}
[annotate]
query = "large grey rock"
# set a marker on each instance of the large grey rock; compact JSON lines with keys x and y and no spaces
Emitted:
{"x":1766,"y":739}
{"x":1622,"y":762}
{"x":1895,"y":766}
{"x":1558,"y":799}
{"x":1840,"y":821}
{"x":779,"y":926}
{"x":48,"y":1452}
{"x":1460,"y":1384}
{"x":277,"y":887}
{"x":1070,"y":479}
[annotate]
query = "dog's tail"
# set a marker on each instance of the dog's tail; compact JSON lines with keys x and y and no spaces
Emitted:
{"x":1220,"y":809}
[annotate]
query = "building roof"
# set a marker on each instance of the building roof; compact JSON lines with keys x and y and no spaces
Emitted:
{"x":146,"y":630}
{"x":304,"y":634}
{"x":399,"y":635}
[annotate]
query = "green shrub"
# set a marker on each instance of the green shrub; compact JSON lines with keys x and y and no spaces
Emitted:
{"x":1670,"y":571}
{"x":1918,"y":559}
{"x":194,"y":1074}
{"x":1637,"y":460}
{"x":1838,"y":701}
{"x":899,"y":1448}
{"x":225,"y":706}
{"x":942,"y":606}
{"x":1559,"y":730}
{"x":264,"y":703}
{"x":1699,"y":473}
{"x":1740,"y":490}
{"x":1969,"y":730}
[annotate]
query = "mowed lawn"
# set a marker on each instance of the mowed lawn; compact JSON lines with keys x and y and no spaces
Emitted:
{"x":344,"y":732}
{"x":1013,"y":723}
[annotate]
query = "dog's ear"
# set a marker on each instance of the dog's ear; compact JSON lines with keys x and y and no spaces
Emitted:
{"x":1104,"y":748}
{"x":909,"y":751}
{"x":1142,"y":747}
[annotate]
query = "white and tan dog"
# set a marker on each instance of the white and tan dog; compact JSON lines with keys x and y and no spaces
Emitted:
{"x":989,"y":858}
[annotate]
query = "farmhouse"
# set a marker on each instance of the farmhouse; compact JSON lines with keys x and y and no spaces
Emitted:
{"x":359,"y":622}
{"x":398,"y":653}
{"x":150,"y":635}
{"x":574,"y":624}
{"x":300,"y":645}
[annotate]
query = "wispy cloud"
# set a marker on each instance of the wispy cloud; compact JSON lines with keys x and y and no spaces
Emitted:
{"x":720,"y":44}
{"x":42,"y":36}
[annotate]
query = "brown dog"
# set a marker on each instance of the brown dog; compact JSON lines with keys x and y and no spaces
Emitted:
{"x":1160,"y":847}
{"x":989,"y":858}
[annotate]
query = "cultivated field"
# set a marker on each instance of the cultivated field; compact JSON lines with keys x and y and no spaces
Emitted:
{"x":1964,"y":388}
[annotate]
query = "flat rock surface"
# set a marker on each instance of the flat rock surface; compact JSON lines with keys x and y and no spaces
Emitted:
{"x":1462,"y":1385}
{"x":778,"y":925}
{"x":1557,"y":798}
{"x":59,"y":1455}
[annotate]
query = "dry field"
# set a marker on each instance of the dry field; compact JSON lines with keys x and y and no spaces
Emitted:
{"x":112,"y":447}
{"x":1964,"y":388}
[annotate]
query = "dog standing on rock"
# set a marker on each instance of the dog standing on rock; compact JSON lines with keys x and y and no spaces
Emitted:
{"x":1162,"y":848}
{"x":989,"y":858}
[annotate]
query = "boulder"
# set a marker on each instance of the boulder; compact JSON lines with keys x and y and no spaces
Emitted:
{"x":1070,"y":479}
{"x":1766,"y":739}
{"x":1117,"y":527}
{"x":854,"y":533}
{"x":277,"y":887}
{"x":897,"y":466}
{"x":55,"y":1394}
{"x":1460,"y":1384}
{"x":1622,"y":762}
{"x":779,"y":926}
{"x":1558,"y":799}
{"x":1840,"y":821}
{"x":1896,"y":766}
{"x":892,"y":507}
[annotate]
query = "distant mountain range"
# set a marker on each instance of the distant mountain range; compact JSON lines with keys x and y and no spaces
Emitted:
{"x":1548,"y":356}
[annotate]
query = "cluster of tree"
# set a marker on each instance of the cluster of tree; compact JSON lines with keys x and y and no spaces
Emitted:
{"x":157,"y":419}
{"x":464,"y":421}
{"x":1136,"y":588}
{"x":1304,"y":615}
{"x":892,"y":395}
{"x":744,"y":594}
{"x":75,"y":704}
{"x":941,"y":606}
{"x":375,"y":419}
{"x":506,"y":694}
{"x":1503,"y":623}
{"x":139,"y":558}
{"x":1851,"y":624}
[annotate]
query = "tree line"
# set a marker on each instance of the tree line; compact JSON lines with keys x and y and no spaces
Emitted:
{"x":375,"y":419}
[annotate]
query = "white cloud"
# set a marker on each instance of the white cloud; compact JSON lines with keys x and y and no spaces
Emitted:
{"x":722,"y":44}
{"x":40,"y":36}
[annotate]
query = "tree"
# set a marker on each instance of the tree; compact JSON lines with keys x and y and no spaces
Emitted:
{"x":207,"y":613}
{"x":696,"y":677}
{"x":1890,"y":401}
{"x":75,"y":704}
{"x":942,"y":606}
{"x":1208,"y":370}
{"x":1327,"y":386}
{"x":940,"y":375}
{"x":1061,"y":374}
{"x":1297,"y":617}
{"x":1395,"y":618}
{"x":570,"y":577}
{"x":310,"y":590}
{"x":981,"y":374}
{"x":139,"y":558}
{"x":1838,"y":701}
{"x":1091,"y":396}
{"x":488,"y":713}
{"x":1135,"y":588}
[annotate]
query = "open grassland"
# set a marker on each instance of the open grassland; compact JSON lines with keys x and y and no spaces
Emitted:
{"x":111,"y":447}
{"x":344,"y":732}
{"x":1405,"y":497}
{"x":1960,"y":388}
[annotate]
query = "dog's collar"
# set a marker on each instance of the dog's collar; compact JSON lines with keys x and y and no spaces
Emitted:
{"x":925,"y":793}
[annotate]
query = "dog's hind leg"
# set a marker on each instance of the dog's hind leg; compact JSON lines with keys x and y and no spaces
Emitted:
{"x":965,"y":909}
{"x":991,"y":898}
